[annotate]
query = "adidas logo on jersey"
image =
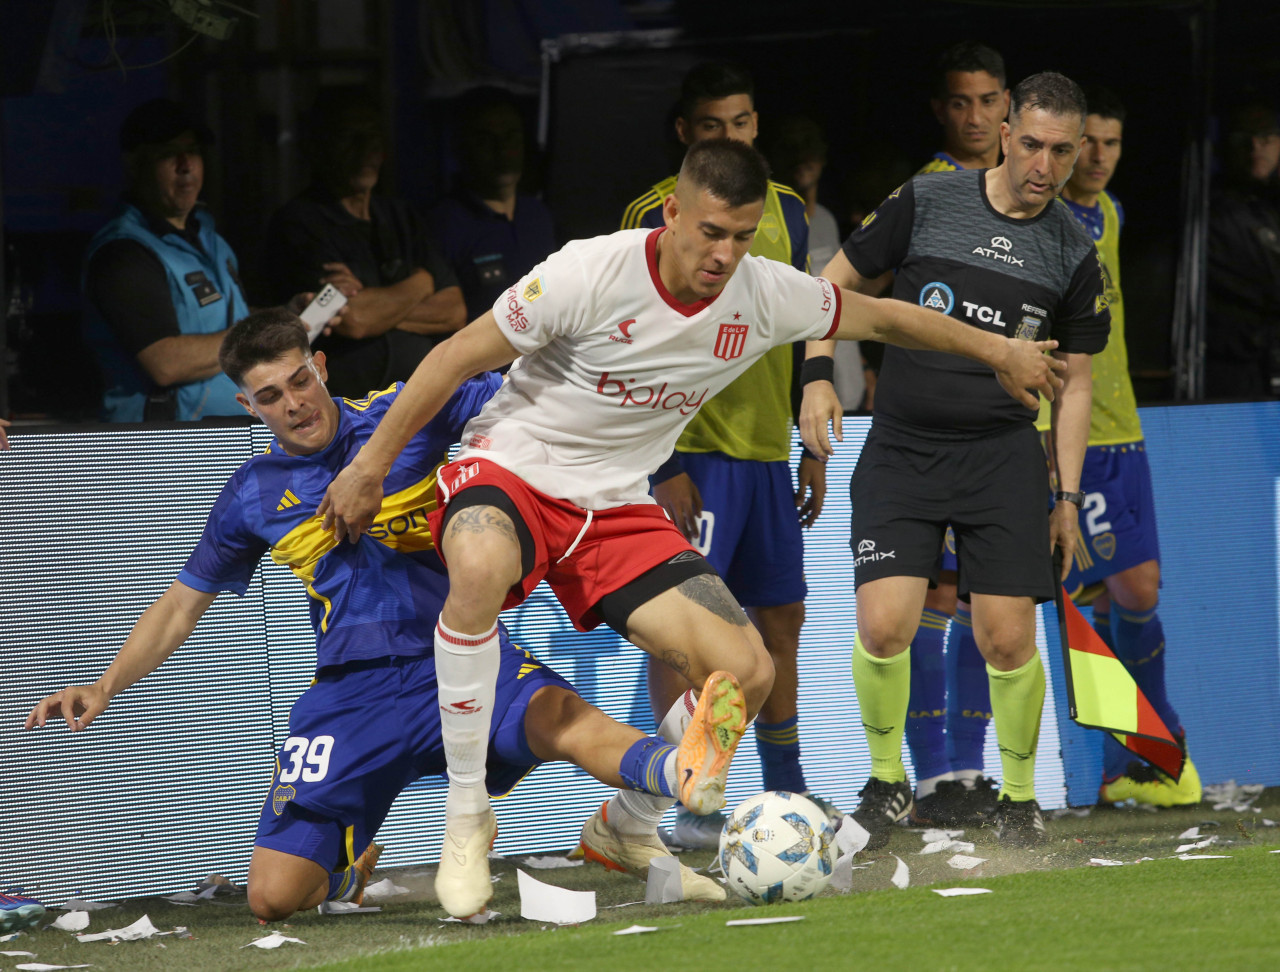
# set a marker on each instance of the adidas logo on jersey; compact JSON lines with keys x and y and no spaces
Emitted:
{"x":287,"y":500}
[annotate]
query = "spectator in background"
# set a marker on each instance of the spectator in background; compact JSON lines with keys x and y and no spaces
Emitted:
{"x":491,"y":232}
{"x":161,"y":286}
{"x":1243,"y":308}
{"x":401,"y":295}
{"x":798,"y":154}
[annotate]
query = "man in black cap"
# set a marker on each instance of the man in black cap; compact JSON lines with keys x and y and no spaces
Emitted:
{"x":161,"y":286}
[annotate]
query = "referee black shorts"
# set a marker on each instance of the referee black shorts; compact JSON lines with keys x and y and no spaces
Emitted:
{"x":993,"y":491}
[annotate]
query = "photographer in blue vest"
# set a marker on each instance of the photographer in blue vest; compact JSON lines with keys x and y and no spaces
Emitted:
{"x":161,"y":286}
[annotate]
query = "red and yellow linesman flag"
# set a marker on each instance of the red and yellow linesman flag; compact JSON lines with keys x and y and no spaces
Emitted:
{"x":1103,"y":695}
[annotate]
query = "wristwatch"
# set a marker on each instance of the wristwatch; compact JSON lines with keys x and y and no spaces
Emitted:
{"x":1077,"y":498}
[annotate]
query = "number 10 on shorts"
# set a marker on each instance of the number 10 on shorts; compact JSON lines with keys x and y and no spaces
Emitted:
{"x":308,"y":759}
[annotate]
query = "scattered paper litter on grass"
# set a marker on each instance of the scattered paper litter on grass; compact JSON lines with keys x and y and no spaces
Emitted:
{"x":1104,"y":862}
{"x":938,"y":846}
{"x":842,"y":873}
{"x":1203,"y":857}
{"x":1198,"y":845}
{"x":641,"y":929}
{"x":625,"y":904}
{"x":72,"y":921}
{"x":934,"y":834}
{"x":901,"y":875}
{"x":959,"y":892}
{"x":85,"y":904}
{"x":19,"y":954}
{"x":1071,"y":812}
{"x":549,"y":863}
{"x":41,"y":967}
{"x":1192,"y":833}
{"x":963,"y":862}
{"x":10,"y":937}
{"x":741,"y":922}
{"x":274,"y":940}
{"x":663,"y":885}
{"x":386,"y":888}
{"x":479,"y":918}
{"x":140,"y":929}
{"x":546,"y":902}
{"x":1274,"y":852}
{"x":345,"y":908}
{"x":1268,"y":823}
{"x":852,"y":837}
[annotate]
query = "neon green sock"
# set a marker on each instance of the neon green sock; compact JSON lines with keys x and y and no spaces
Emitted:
{"x":883,"y":686}
{"x":1017,"y":698}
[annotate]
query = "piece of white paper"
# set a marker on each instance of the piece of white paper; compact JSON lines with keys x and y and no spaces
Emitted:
{"x":842,"y":873}
{"x":1274,"y":852}
{"x":1198,"y":845}
{"x":10,"y":937}
{"x":274,"y":940}
{"x":1104,"y":862}
{"x":938,"y":846}
{"x":741,"y":922}
{"x":1203,"y":857}
{"x":935,"y":834}
{"x":142,"y":928}
{"x":386,"y":888}
{"x":1268,"y":823}
{"x":852,"y":837}
{"x":479,"y":918}
{"x":85,"y":904}
{"x":19,"y":954}
{"x":639,"y":929}
{"x":664,"y":885}
{"x":546,"y":902}
{"x":345,"y":908}
{"x":549,"y":863}
{"x":963,"y":862}
{"x":41,"y":967}
{"x":960,"y":892}
{"x":72,"y":921}
{"x":1190,"y":834}
{"x":901,"y":875}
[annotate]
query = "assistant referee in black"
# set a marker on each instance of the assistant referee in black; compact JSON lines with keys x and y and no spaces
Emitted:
{"x":994,"y":248}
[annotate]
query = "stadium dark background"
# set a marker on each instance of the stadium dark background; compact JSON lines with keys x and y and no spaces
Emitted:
{"x":71,"y":69}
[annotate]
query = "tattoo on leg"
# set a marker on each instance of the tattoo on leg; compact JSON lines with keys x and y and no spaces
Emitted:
{"x":477,"y":519}
{"x":677,"y":660}
{"x":709,"y":591}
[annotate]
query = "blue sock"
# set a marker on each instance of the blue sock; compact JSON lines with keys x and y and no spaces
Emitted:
{"x":969,"y":709}
{"x":644,"y":766}
{"x":342,"y":885}
{"x":1139,"y":643}
{"x":926,"y":726}
{"x":778,"y":744}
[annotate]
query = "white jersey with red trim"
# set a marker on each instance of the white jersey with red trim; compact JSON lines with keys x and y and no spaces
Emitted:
{"x":613,"y":366}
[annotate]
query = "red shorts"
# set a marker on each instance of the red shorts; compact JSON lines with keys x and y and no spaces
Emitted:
{"x":582,"y":554}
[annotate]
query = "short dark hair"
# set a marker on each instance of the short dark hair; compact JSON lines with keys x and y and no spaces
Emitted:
{"x":711,"y":81}
{"x":1104,"y":102}
{"x":1050,"y":92}
{"x":967,"y":56}
{"x":263,"y":336}
{"x":732,"y":171}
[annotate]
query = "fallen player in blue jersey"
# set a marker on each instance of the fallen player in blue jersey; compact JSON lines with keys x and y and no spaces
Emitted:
{"x":370,"y":723}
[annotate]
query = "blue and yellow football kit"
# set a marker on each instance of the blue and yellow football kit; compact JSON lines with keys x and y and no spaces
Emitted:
{"x":369,"y":725}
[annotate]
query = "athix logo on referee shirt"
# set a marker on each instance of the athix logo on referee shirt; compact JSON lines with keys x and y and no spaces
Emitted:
{"x":999,"y":250}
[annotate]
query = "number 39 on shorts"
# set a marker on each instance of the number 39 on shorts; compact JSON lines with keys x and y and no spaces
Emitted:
{"x":305,"y":759}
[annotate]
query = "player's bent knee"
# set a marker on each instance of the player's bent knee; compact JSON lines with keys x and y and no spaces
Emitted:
{"x":272,"y":902}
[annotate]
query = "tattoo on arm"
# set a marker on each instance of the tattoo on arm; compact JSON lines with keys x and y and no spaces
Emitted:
{"x":709,"y":591}
{"x":477,"y":519}
{"x":677,"y":660}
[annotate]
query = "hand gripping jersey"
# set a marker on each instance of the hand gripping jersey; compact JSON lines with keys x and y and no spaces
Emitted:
{"x":377,"y":597}
{"x":751,"y":419}
{"x":1032,"y":278}
{"x":614,"y":367}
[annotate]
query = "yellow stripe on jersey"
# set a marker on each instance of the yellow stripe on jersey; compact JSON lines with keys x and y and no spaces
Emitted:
{"x":360,"y":404}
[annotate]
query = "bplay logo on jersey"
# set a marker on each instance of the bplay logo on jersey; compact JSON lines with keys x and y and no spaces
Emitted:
{"x":649,"y":396}
{"x":937,"y":296}
{"x":1000,"y":249}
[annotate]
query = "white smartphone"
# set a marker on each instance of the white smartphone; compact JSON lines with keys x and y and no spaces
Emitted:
{"x":320,"y":311}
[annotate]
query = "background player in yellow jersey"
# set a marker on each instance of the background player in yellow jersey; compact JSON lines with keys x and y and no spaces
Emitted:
{"x":729,"y":487}
{"x":1118,"y":551}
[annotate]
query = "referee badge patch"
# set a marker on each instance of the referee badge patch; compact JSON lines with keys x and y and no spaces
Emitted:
{"x":1028,"y":327}
{"x":937,"y":296}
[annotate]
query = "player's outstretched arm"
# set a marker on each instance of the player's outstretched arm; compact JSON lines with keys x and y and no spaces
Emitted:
{"x":354,"y":498}
{"x":161,"y":629}
{"x":1022,"y":367}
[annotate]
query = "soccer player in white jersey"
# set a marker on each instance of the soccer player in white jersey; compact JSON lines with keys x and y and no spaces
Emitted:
{"x":620,"y":340}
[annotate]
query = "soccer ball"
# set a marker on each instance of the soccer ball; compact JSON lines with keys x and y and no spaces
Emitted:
{"x":777,"y":847}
